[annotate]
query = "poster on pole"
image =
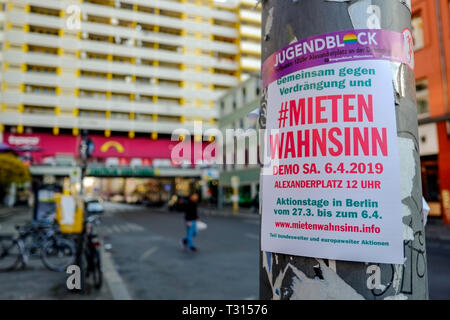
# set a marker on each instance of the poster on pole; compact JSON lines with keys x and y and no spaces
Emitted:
{"x":332,"y":188}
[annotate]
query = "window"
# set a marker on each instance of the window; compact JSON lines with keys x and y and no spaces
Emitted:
{"x":422,"y":97}
{"x":417,"y":31}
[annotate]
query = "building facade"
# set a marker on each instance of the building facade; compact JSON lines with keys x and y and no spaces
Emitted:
{"x":239,"y":109}
{"x":129,"y":66}
{"x":431,"y":33}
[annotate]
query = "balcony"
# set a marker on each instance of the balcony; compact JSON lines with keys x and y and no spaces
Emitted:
{"x":92,"y":103}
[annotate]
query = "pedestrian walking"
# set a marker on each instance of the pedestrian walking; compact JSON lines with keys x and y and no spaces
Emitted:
{"x":190,"y":218}
{"x":255,"y":203}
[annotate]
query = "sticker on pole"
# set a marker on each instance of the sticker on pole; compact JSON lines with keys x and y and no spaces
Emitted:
{"x":332,"y":188}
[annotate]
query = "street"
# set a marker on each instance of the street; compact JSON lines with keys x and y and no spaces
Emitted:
{"x":146,"y":260}
{"x":148,"y":256}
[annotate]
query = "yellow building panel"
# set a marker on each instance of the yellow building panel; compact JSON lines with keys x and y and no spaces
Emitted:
{"x":251,"y":69}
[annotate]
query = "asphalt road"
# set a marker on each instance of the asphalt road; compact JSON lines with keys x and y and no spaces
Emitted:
{"x":147,"y":260}
{"x":148,"y":256}
{"x":438,"y":256}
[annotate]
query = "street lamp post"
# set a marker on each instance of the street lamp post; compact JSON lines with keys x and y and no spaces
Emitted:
{"x":235,"y":197}
{"x":285,"y":276}
{"x":86,"y":149}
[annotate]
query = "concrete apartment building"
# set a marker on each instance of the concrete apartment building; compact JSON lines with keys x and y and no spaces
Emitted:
{"x":431,"y":32}
{"x":128,"y":71}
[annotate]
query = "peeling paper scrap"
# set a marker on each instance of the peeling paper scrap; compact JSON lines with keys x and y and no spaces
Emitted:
{"x":332,"y":287}
{"x":400,"y":296}
{"x":365,"y":15}
{"x":406,"y":155}
{"x":405,"y":210}
{"x":407,"y":3}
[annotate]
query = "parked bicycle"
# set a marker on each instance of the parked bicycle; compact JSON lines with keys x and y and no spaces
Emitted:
{"x":37,"y":239}
{"x":89,"y":252}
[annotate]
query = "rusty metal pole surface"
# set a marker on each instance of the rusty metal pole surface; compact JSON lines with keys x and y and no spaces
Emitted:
{"x":292,"y":277}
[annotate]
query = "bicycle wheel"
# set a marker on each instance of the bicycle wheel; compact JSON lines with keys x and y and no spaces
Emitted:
{"x":97,"y":273}
{"x":10,"y":253}
{"x":58,"y":253}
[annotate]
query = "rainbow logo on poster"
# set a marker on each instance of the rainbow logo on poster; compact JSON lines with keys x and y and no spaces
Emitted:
{"x":350,"y":38}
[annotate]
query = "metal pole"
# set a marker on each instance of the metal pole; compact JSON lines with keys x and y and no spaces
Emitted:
{"x":288,"y":21}
{"x":219,"y":197}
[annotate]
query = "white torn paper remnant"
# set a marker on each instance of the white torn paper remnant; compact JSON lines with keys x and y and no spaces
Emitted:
{"x":406,"y":155}
{"x":408,"y":233}
{"x":332,"y":287}
{"x":269,"y":22}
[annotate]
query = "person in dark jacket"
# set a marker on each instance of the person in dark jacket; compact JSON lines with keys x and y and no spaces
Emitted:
{"x":191,"y":218}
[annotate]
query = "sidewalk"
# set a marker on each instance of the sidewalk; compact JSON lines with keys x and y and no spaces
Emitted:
{"x":36,"y":281}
